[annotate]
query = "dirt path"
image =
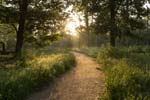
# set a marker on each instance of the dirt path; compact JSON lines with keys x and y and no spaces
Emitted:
{"x":84,"y":82}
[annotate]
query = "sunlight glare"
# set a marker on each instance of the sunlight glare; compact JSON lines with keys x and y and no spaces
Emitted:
{"x":71,"y":27}
{"x":147,"y":5}
{"x":73,"y":22}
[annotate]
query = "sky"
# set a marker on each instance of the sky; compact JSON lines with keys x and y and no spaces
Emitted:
{"x":147,"y":5}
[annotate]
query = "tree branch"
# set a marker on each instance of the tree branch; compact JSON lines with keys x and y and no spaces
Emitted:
{"x":13,"y":25}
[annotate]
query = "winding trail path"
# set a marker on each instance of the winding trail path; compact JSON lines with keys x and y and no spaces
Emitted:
{"x":84,"y":82}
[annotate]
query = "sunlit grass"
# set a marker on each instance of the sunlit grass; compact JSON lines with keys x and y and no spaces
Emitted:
{"x":127,"y":73}
{"x":38,"y":70}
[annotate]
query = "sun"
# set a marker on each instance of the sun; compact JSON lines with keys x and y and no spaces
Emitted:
{"x":73,"y":22}
{"x":71,"y":28}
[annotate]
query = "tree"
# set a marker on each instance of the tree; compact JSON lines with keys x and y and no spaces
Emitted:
{"x":118,"y":17}
{"x":23,"y":6}
{"x":84,"y":7}
{"x":21,"y":10}
{"x":34,"y":19}
{"x":112,"y":5}
{"x":45,"y":24}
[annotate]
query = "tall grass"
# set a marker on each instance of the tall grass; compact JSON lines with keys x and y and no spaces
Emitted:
{"x":127,"y":74}
{"x":38,"y":70}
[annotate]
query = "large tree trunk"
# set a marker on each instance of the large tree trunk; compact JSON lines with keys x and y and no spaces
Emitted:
{"x":23,"y":4}
{"x":112,"y":23}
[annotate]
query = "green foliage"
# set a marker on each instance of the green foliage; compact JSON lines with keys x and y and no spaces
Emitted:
{"x":124,"y":80}
{"x":7,"y":36}
{"x":127,"y":73}
{"x":47,"y":28}
{"x":124,"y":10}
{"x":117,"y":17}
{"x":17,"y":84}
{"x":43,"y":21}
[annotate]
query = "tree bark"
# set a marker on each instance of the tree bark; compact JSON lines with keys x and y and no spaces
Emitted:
{"x":112,"y":23}
{"x":23,"y":4}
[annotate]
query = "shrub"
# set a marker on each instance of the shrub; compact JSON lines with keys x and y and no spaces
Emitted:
{"x":124,"y":80}
{"x":125,"y":77}
{"x":16,"y":84}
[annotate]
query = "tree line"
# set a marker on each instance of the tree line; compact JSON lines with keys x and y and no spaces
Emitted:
{"x":118,"y":18}
{"x":40,"y":20}
{"x":33,"y":20}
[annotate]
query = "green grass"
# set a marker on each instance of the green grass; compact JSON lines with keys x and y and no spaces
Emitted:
{"x":127,"y":73}
{"x":33,"y":72}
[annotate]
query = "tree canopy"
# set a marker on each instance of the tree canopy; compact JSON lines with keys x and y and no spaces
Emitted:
{"x":33,"y":20}
{"x":42,"y":21}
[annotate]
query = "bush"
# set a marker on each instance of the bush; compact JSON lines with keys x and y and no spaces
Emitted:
{"x":123,"y":81}
{"x":16,"y":84}
{"x":126,"y":79}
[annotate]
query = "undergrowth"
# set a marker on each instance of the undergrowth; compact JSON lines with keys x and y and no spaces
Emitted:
{"x":31,"y":73}
{"x":127,"y":73}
